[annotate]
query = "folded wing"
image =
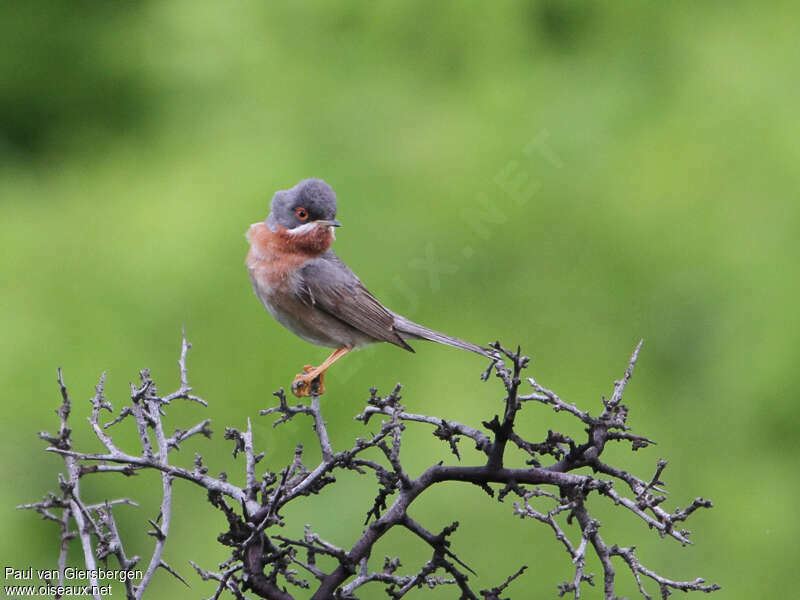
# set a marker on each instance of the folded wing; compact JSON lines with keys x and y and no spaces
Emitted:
{"x":329,"y":285}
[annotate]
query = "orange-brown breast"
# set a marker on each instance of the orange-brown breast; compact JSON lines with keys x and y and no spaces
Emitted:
{"x":274,"y":255}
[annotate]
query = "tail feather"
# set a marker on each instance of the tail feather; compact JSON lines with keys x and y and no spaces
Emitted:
{"x":410,"y":330}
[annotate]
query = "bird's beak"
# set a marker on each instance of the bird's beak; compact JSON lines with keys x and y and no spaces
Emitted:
{"x":330,"y":223}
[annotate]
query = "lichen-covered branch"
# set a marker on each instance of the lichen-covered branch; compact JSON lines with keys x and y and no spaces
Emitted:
{"x":554,"y":489}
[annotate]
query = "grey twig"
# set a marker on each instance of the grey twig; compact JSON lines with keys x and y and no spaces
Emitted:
{"x":494,"y":593}
{"x":619,"y":386}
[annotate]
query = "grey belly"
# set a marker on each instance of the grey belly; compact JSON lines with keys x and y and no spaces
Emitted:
{"x":313,"y":325}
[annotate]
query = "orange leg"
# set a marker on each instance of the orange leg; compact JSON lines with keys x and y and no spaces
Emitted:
{"x":312,"y":379}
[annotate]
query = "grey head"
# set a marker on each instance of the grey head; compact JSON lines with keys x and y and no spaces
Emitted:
{"x":310,"y":201}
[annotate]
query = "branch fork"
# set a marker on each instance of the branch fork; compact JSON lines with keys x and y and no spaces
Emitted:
{"x":552,"y":489}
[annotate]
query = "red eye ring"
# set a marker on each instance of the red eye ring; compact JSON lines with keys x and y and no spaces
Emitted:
{"x":301,"y":213}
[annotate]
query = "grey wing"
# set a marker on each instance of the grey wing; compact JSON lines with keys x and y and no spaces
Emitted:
{"x":329,"y":285}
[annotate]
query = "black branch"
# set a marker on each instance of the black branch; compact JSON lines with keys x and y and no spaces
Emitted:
{"x":564,"y":477}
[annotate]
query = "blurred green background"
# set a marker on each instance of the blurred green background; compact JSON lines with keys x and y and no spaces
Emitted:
{"x":567,"y":176}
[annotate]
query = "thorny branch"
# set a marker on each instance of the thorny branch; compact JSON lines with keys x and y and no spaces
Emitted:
{"x":273,"y":566}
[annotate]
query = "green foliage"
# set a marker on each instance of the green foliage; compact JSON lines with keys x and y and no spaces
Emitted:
{"x":139,"y":140}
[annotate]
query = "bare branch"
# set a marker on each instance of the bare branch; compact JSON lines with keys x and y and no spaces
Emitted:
{"x":267,"y":564}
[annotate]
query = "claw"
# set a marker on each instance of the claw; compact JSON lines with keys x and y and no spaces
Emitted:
{"x":309,"y":382}
{"x":312,"y":380}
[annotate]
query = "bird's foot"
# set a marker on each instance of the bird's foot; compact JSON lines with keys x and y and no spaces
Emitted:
{"x":310,"y":382}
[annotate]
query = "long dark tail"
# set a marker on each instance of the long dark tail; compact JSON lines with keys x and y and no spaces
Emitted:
{"x":410,"y":330}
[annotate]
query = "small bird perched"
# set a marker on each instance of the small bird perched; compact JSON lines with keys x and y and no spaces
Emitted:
{"x":307,"y":288}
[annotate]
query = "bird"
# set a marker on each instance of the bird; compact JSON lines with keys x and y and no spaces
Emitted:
{"x":309,"y":290}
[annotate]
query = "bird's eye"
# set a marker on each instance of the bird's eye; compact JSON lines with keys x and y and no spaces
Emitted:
{"x":301,"y":213}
